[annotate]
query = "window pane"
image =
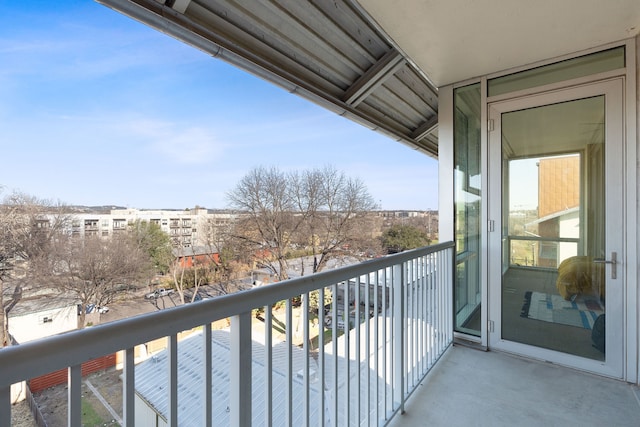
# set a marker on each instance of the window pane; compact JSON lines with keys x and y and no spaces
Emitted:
{"x":467,"y":208}
{"x":587,"y":65}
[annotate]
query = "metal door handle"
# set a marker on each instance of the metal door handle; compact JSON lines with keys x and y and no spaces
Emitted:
{"x":613,"y":262}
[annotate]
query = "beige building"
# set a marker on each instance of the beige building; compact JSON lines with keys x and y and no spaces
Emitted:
{"x":186,"y":228}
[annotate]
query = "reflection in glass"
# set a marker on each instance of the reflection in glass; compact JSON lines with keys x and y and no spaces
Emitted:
{"x":467,"y":291}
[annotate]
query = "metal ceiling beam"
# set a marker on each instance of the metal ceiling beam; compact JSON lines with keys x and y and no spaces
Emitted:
{"x":374,"y":77}
{"x":180,"y":5}
{"x":425,"y":129}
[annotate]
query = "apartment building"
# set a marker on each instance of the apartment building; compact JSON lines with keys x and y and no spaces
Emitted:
{"x":186,"y":228}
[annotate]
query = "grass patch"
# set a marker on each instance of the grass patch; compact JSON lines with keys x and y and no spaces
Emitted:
{"x":89,"y":415}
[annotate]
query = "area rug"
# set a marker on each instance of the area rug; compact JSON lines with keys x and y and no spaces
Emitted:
{"x":582,"y":312}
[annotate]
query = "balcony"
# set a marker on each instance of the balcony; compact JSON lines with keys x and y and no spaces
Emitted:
{"x":475,"y":388}
{"x":387,"y":324}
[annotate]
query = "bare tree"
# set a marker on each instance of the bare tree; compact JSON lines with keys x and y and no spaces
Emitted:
{"x":339,"y":215}
{"x":270,"y":220}
{"x":224,"y":255}
{"x":6,"y":257}
{"x":321,"y":210}
{"x":189,"y":276}
{"x":338,"y":219}
{"x":91,"y":269}
{"x":28,"y":228}
{"x":31,"y":227}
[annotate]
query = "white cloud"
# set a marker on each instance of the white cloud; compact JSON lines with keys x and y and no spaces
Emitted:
{"x":33,"y":47}
{"x":190,"y":146}
{"x":182,"y":143}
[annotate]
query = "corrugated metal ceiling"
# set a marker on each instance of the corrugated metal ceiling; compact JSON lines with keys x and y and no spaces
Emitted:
{"x":326,"y":51}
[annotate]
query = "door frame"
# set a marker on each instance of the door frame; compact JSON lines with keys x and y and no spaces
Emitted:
{"x":613,"y":89}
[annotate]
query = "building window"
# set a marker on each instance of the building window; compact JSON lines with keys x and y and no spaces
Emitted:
{"x":119,"y":224}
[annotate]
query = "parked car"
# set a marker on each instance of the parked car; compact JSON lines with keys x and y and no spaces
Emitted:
{"x":92,"y":308}
{"x":199,"y":297}
{"x":159,"y":293}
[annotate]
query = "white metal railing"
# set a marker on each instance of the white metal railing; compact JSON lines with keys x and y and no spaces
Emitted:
{"x":540,"y":252}
{"x":356,"y":362}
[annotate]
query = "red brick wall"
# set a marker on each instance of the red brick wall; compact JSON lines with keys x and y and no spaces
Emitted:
{"x":60,"y":377}
{"x":187,"y":261}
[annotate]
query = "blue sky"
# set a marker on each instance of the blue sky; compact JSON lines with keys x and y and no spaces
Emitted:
{"x":96,"y":108}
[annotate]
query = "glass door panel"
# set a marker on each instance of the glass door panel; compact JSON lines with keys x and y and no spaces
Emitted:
{"x":555,"y":165}
{"x":553,"y":206}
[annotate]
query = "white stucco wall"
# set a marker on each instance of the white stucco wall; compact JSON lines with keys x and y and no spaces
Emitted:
{"x":146,"y":416}
{"x":35,"y":325}
{"x":445,"y":164}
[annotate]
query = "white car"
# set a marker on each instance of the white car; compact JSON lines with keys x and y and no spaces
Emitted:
{"x":92,"y":308}
{"x":159,"y":293}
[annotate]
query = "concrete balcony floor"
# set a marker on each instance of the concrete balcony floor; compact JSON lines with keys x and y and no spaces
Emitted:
{"x":470,"y":387}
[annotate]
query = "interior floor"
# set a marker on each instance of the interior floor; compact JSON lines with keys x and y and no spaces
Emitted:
{"x":516,"y":283}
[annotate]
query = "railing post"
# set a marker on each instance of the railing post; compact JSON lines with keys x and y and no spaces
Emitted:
{"x":128,"y":387}
{"x":305,"y":318}
{"x":5,"y":405}
{"x":452,"y":268}
{"x":288,"y":420}
{"x":172,"y":351}
{"x":268,"y":365}
{"x":398,"y":332}
{"x":207,"y":367}
{"x":74,"y":393}
{"x":321,"y":376}
{"x":241,"y":356}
